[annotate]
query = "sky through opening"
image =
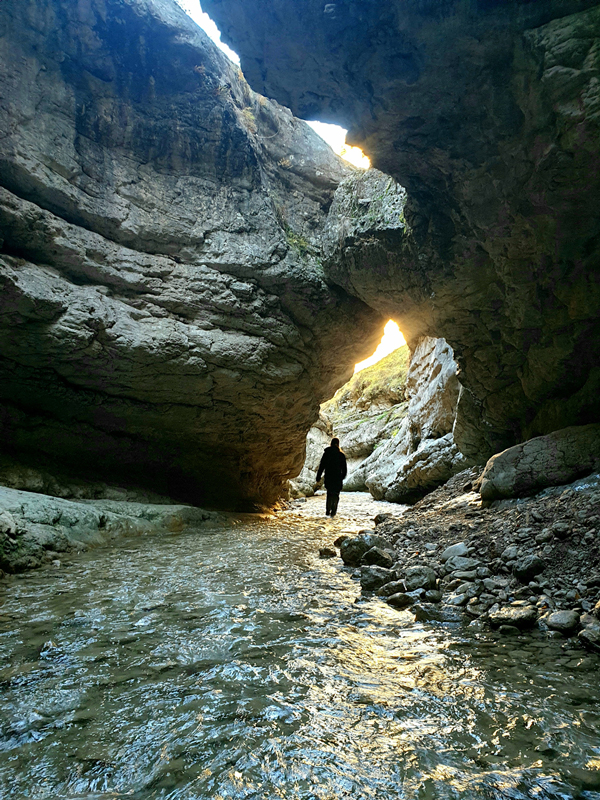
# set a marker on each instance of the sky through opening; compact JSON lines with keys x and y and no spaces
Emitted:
{"x":334,"y":135}
{"x":391,"y":340}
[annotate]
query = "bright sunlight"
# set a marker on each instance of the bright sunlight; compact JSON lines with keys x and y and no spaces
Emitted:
{"x":391,"y":340}
{"x":335,"y":136}
{"x":193,"y":10}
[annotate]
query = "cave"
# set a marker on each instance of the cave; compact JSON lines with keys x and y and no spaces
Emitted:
{"x":187,"y":271}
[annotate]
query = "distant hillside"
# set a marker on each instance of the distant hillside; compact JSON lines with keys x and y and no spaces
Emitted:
{"x":382,"y":385}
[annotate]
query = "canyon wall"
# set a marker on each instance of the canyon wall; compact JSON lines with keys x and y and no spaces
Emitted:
{"x":488,"y":116}
{"x":165,"y":317}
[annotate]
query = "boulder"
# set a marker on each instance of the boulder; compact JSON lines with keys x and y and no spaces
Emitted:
{"x":590,"y":637}
{"x":461,"y":563}
{"x":596,"y":610}
{"x":521,"y":617}
{"x":528,"y":567}
{"x":376,"y":556}
{"x":373,"y":578}
{"x":419,"y":577}
{"x":566,"y":622}
{"x":353,"y":549}
{"x":458,"y":549}
{"x":400,"y":600}
{"x":551,"y":460}
{"x":394,"y":587}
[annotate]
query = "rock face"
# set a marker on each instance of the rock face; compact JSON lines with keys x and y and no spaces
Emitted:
{"x":488,"y":115}
{"x":421,"y":454}
{"x":164,"y":315}
{"x":35,"y":528}
{"x":551,"y":460}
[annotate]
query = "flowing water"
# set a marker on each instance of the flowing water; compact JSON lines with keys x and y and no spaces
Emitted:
{"x":234,"y":663}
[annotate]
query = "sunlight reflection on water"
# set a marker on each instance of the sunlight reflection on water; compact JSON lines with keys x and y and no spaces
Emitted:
{"x":236,"y":664}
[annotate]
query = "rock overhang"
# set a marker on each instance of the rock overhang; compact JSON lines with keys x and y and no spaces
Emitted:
{"x":165,"y":315}
{"x":487,"y":114}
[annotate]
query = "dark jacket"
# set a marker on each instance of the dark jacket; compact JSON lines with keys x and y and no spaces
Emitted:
{"x":333,"y":464}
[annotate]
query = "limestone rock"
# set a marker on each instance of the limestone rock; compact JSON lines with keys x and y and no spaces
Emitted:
{"x":372,"y":578}
{"x":379,"y":557}
{"x":521,"y":617}
{"x":393,"y":587}
{"x":496,"y":246}
{"x":419,"y":577}
{"x":564,"y":621}
{"x":590,"y":637}
{"x":421,"y":454}
{"x":528,"y":567}
{"x":461,"y":563}
{"x":400,"y":600}
{"x":458,"y":549}
{"x":551,"y":460}
{"x":164,"y":316}
{"x":353,"y":548}
{"x":35,"y":523}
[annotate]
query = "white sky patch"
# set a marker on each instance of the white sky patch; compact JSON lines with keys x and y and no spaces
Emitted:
{"x":391,"y":340}
{"x":192,"y":9}
{"x":335,"y":136}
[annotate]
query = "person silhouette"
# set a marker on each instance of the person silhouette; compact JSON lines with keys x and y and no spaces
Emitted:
{"x":333,"y":464}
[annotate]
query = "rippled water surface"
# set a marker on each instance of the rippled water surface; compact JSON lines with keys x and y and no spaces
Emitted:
{"x":234,"y":663}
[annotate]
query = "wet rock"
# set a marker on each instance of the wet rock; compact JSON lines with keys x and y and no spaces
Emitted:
{"x":564,"y":621}
{"x":458,"y":549}
{"x":327,"y":552}
{"x":353,"y":549}
{"x":521,"y":617}
{"x":427,"y":614}
{"x":590,"y":638}
{"x":400,"y":600}
{"x":373,"y":578}
{"x":394,"y":587}
{"x":376,"y":556}
{"x":419,"y":577}
{"x":551,"y":460}
{"x":510,"y":553}
{"x":527,"y":568}
{"x":432,"y":596}
{"x":509,"y":630}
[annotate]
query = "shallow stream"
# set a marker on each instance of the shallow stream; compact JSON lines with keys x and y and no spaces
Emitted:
{"x":234,"y":663}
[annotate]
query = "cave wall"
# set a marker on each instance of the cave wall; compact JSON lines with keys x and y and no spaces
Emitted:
{"x":487,"y":114}
{"x":165,"y":318}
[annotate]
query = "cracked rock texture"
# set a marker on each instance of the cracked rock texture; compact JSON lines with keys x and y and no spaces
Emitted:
{"x":489,"y":115}
{"x":165,"y":319}
{"x":551,"y":460}
{"x":421,"y":454}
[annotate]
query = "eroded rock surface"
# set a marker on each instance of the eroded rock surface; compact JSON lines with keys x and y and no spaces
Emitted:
{"x":164,"y":315}
{"x":488,"y":115}
{"x":421,"y":454}
{"x":551,"y":460}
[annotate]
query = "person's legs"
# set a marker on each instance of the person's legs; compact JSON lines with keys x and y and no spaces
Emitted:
{"x":335,"y":499}
{"x":328,"y":504}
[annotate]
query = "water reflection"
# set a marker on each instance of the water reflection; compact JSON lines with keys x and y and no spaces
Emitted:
{"x":236,"y":664}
